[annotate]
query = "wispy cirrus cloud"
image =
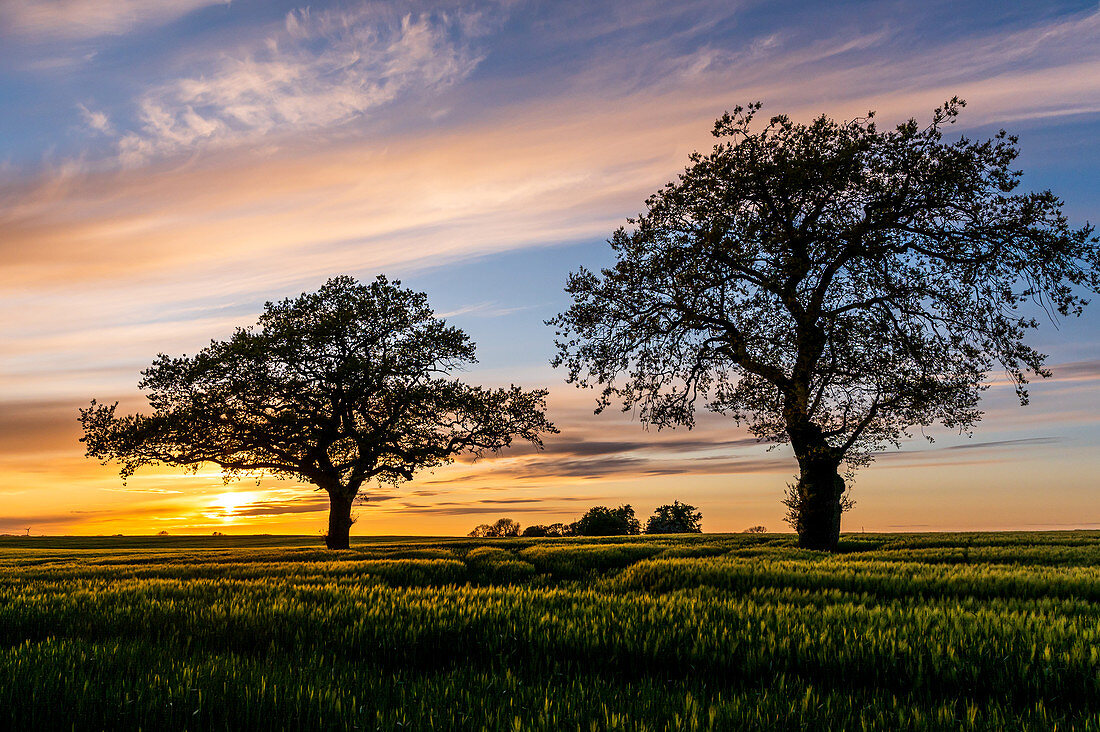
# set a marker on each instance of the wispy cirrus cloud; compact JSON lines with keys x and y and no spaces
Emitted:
{"x":96,"y":120}
{"x":322,"y":69}
{"x":484,"y":310}
{"x":73,"y":19}
{"x":1077,"y":370}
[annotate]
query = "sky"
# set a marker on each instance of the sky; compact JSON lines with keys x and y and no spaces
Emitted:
{"x":168,"y":166}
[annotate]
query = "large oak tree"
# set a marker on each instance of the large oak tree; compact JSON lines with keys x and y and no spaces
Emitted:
{"x":832,"y":286}
{"x":337,"y":387}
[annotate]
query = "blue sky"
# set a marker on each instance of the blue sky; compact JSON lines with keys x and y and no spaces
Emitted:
{"x":167,"y":167}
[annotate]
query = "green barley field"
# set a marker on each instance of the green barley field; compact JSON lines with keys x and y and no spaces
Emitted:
{"x":724,"y":632}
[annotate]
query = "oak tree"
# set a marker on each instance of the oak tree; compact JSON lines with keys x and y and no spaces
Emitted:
{"x":831,"y":285}
{"x":338,"y":387}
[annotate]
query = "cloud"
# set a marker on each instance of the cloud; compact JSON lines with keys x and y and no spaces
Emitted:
{"x":98,"y":121}
{"x":36,"y":426}
{"x":541,"y":499}
{"x":323,"y":70}
{"x":651,"y":466}
{"x":658,"y":444}
{"x":936,"y":456}
{"x":76,"y":19}
{"x":485,"y":310}
{"x":994,"y":444}
{"x":470,"y":510}
{"x":1076,"y":370}
{"x":63,"y":518}
{"x":280,"y":509}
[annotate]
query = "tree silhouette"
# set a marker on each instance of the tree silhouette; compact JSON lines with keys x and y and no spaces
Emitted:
{"x":675,"y":518}
{"x":337,"y":387}
{"x":540,"y":530}
{"x":604,"y":521}
{"x":830,"y":285}
{"x":502,"y":528}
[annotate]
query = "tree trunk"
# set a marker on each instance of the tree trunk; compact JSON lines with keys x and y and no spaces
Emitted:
{"x":820,"y":489}
{"x":339,"y":520}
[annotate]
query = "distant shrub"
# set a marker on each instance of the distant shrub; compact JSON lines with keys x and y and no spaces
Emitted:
{"x":675,"y":518}
{"x":604,"y":521}
{"x":535,"y":530}
{"x":756,"y":530}
{"x":504,"y":527}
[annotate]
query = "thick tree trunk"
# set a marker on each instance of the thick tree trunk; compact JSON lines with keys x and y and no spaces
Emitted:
{"x":339,"y":520}
{"x":820,"y":489}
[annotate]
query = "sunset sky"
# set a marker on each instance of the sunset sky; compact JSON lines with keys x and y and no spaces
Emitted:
{"x":167,"y":166}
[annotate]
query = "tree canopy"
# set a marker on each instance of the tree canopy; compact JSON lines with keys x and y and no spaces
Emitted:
{"x":337,"y":387}
{"x":830,"y":285}
{"x":604,"y":521}
{"x":501,"y":528}
{"x":675,"y":518}
{"x":539,"y":530}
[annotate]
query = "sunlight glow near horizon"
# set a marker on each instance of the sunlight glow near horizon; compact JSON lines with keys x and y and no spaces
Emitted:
{"x":172,"y":168}
{"x":228,"y":503}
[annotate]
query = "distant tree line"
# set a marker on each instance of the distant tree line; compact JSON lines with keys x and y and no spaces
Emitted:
{"x":673,"y":518}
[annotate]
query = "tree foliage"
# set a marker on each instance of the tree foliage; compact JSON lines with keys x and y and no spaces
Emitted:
{"x":540,"y":530}
{"x":337,"y":387}
{"x":501,"y":528}
{"x":675,"y":518}
{"x":831,"y":285}
{"x":604,"y":521}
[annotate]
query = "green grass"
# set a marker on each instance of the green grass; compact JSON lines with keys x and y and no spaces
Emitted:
{"x":934,"y":631}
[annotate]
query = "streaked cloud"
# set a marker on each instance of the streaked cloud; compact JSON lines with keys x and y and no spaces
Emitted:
{"x":98,"y":121}
{"x":485,"y":310}
{"x":323,"y":69}
{"x":74,"y":19}
{"x":1077,"y":371}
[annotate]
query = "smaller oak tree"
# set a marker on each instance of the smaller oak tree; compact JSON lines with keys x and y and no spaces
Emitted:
{"x":337,"y":387}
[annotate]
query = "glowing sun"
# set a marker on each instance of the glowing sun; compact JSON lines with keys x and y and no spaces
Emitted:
{"x":228,"y":503}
